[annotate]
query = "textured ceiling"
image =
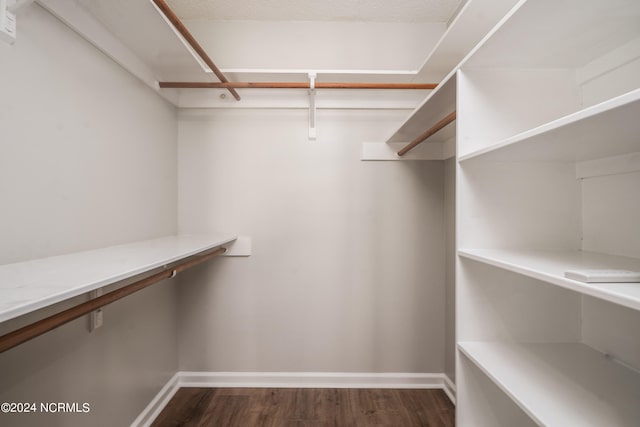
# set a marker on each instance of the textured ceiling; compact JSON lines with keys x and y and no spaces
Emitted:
{"x":318,"y":10}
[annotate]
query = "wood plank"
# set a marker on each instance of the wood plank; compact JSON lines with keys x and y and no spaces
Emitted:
{"x":186,"y":408}
{"x":307,"y":407}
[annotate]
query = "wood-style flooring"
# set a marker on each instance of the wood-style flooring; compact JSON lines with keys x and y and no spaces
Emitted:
{"x":248,"y":407}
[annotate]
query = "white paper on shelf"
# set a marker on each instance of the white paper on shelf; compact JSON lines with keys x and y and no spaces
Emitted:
{"x":603,"y":276}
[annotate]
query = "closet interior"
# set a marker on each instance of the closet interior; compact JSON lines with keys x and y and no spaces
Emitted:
{"x":375,"y":222}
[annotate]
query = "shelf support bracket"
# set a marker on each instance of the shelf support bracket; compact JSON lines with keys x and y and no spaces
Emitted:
{"x":96,"y":316}
{"x":312,"y":106}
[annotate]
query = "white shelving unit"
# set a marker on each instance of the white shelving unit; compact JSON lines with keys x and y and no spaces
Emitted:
{"x":32,"y":285}
{"x":548,"y":180}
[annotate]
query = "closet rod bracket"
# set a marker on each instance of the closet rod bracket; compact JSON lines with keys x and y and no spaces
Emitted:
{"x":312,"y":105}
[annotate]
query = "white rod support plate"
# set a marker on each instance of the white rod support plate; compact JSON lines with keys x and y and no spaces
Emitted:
{"x":239,"y":247}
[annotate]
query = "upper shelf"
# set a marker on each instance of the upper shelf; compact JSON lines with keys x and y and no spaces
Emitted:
{"x":575,"y":33}
{"x":550,"y":266}
{"x":575,"y":137}
{"x":32,"y":285}
{"x":158,"y":45}
{"x":474,"y":20}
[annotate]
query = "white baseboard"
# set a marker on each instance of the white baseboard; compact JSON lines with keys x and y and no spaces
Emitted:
{"x":310,"y":380}
{"x":153,"y":409}
{"x":292,"y":380}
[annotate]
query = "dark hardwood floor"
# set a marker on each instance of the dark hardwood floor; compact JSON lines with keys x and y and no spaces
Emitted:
{"x":248,"y":407}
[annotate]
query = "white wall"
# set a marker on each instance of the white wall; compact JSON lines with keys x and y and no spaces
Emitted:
{"x":88,"y":152}
{"x":87,"y":159}
{"x":347,"y":270}
{"x":317,"y":45}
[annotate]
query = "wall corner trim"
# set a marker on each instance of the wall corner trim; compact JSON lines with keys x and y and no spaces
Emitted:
{"x":292,"y":380}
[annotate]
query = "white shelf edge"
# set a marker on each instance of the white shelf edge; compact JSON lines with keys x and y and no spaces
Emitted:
{"x":82,"y":286}
{"x":491,"y":32}
{"x":516,"y":378}
{"x":450,"y":29}
{"x":597,"y":290}
{"x":468,"y":14}
{"x":579,"y":116}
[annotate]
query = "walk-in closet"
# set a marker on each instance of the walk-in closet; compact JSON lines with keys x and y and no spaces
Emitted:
{"x":320,"y":212}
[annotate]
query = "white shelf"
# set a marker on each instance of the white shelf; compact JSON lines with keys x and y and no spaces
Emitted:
{"x":32,"y":285}
{"x":561,"y":384}
{"x":440,"y":103}
{"x":326,"y":75}
{"x":608,"y":129}
{"x":550,"y":266}
{"x":471,"y":24}
{"x":558,"y":34}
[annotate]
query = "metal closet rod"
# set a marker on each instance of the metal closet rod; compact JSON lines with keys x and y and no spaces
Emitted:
{"x":179,"y":26}
{"x":424,"y":136}
{"x":294,"y":85}
{"x":47,"y":324}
